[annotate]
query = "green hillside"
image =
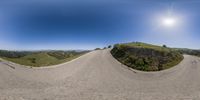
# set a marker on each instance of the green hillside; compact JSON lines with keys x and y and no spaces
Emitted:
{"x":45,"y":58}
{"x":146,"y":57}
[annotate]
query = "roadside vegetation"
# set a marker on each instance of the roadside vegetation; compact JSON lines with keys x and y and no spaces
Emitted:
{"x":97,"y":49}
{"x":40,"y":58}
{"x":146,"y":57}
{"x":109,"y":46}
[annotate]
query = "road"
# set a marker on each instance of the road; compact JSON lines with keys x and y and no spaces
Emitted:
{"x":98,"y":76}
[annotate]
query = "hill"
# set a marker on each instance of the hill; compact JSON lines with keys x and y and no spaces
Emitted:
{"x":40,"y":58}
{"x":146,"y":57}
{"x":189,"y":51}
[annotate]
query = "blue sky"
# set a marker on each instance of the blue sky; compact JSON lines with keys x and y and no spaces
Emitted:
{"x":59,"y":24}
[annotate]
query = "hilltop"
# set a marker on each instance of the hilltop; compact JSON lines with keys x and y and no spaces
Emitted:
{"x":146,"y":57}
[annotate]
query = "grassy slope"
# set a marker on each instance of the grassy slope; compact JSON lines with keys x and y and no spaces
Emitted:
{"x":146,"y":57}
{"x":40,"y":59}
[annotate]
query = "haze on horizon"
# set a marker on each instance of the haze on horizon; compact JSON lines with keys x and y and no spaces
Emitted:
{"x":36,"y":25}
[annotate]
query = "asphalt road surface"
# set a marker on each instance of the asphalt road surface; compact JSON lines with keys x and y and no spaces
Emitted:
{"x":98,"y":76}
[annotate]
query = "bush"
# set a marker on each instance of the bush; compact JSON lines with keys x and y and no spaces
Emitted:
{"x":109,"y":46}
{"x":97,"y":49}
{"x":164,"y":46}
{"x":33,"y":60}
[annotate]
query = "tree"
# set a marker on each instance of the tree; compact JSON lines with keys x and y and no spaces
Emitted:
{"x":97,"y":49}
{"x":164,"y":46}
{"x":109,"y":46}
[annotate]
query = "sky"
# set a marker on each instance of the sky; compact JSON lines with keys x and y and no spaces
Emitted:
{"x":88,"y":24}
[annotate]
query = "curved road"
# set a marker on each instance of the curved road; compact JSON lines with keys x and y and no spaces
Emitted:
{"x":98,"y":76}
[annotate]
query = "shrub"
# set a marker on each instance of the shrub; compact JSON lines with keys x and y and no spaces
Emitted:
{"x":33,"y":60}
{"x":164,"y":46}
{"x":109,"y":46}
{"x":97,"y":49}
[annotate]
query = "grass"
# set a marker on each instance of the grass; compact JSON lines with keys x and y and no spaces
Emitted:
{"x":146,"y":57}
{"x":147,"y":46}
{"x":43,"y":59}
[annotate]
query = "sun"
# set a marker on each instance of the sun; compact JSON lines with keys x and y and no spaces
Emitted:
{"x":169,"y":22}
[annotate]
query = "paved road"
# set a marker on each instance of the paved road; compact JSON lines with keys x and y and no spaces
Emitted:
{"x":98,"y":76}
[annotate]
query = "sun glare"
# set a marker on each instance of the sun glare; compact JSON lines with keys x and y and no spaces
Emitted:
{"x":169,"y":22}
